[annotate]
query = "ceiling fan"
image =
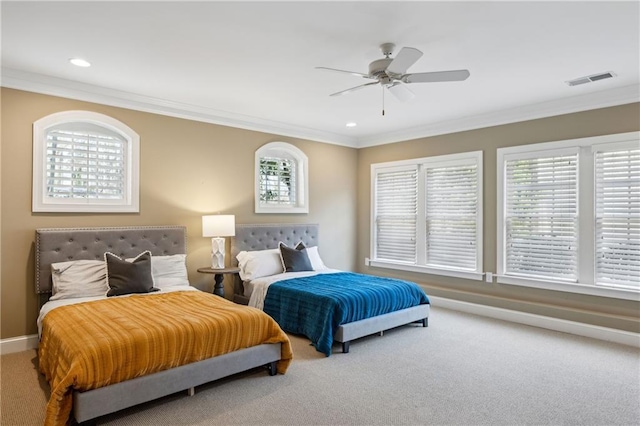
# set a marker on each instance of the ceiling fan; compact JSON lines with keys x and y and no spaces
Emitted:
{"x":392,"y":73}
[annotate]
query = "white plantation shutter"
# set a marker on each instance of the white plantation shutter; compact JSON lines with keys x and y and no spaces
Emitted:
{"x":541,"y":206}
{"x":277,"y":181}
{"x":85,"y":165}
{"x":451,"y":216}
{"x":281,"y":179}
{"x":396,"y":209}
{"x":617,"y":201}
{"x":84,"y":161}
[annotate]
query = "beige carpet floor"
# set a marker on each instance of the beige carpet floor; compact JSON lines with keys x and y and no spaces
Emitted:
{"x":463,"y":369}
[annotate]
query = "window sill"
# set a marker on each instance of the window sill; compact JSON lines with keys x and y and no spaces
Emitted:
{"x":427,"y":270}
{"x":570,"y":287}
{"x":83,"y":207}
{"x":282,"y":210}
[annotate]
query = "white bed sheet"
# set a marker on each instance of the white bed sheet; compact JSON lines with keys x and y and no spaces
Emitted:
{"x":53,"y":304}
{"x":259,"y":286}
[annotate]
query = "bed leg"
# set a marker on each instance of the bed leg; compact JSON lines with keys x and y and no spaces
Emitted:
{"x":425,"y":322}
{"x":272,"y":368}
{"x":191,"y":391}
{"x":381,"y":333}
{"x":345,"y":347}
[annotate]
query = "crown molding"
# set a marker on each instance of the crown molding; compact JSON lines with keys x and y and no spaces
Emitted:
{"x":39,"y":83}
{"x":589,"y":101}
{"x":54,"y":86}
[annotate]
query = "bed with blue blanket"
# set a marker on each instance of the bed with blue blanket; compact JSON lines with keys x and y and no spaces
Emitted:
{"x":331,"y":306}
{"x":316,"y":306}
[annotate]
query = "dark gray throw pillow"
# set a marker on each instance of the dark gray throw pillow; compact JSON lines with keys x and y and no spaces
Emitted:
{"x":129,"y":277}
{"x":295,"y":259}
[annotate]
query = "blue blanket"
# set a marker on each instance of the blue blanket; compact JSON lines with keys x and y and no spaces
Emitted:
{"x":315,"y":306}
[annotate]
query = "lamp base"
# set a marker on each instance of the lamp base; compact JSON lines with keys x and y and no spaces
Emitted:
{"x":217,"y":253}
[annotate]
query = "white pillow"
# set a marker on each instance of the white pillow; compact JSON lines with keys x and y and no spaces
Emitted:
{"x":316,"y":262}
{"x":314,"y":256}
{"x":259,"y":263}
{"x":78,"y":278}
{"x":169,"y":271}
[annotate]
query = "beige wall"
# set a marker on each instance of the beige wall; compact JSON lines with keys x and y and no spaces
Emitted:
{"x":180,"y":160}
{"x":606,"y":312}
{"x":187,"y":169}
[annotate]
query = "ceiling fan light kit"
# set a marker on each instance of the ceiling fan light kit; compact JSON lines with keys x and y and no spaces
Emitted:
{"x":391,"y":73}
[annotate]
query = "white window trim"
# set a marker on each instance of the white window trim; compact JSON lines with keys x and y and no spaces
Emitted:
{"x":302,"y":179}
{"x":586,"y":214}
{"x":441,"y":160}
{"x":569,"y":287}
{"x":399,"y":266}
{"x":42,"y":203}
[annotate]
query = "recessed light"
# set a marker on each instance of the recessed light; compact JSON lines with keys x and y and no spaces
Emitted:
{"x":352,"y":124}
{"x":79,"y":62}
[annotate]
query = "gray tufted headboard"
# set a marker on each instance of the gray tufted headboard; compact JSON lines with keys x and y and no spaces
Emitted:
{"x":64,"y":244}
{"x":267,"y":236}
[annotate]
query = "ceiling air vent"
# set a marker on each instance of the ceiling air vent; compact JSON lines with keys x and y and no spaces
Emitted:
{"x":590,"y":78}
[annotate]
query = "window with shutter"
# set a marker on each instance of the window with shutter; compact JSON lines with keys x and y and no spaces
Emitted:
{"x":281,"y":179}
{"x":618,"y":217}
{"x":87,"y":163}
{"x":427,"y":215}
{"x":541,"y":216}
{"x":452,"y":216}
{"x":396,"y":214}
{"x":84,"y":162}
{"x":277,"y":181}
{"x":569,"y":215}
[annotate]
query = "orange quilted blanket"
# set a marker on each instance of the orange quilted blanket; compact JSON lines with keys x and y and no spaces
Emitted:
{"x":95,"y":344}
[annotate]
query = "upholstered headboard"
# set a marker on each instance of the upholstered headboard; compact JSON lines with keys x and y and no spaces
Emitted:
{"x":267,"y":236}
{"x":64,"y":244}
{"x":264,"y":237}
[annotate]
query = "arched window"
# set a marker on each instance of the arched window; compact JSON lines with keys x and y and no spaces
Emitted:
{"x":84,"y":162}
{"x":281,"y":179}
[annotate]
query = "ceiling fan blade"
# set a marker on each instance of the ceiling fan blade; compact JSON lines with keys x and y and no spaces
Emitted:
{"x":401,"y":92}
{"x":357,"y":74}
{"x":438,"y":76}
{"x":403,"y":60}
{"x":344,"y":92}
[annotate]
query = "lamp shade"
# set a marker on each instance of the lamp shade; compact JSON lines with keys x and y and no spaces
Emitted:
{"x":219,"y":225}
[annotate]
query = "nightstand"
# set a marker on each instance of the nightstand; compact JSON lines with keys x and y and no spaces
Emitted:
{"x":218,"y":277}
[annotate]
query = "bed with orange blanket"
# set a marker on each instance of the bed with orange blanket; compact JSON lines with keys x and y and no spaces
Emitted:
{"x":101,"y":356}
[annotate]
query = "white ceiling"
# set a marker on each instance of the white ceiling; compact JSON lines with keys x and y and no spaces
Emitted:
{"x":251,"y":64}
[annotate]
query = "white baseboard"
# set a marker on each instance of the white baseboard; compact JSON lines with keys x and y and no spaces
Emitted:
{"x":556,"y":324}
{"x":18,"y":344}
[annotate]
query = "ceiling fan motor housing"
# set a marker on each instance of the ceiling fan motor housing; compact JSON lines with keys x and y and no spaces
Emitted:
{"x":377,"y":68}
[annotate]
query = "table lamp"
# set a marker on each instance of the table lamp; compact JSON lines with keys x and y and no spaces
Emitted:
{"x":217,"y":227}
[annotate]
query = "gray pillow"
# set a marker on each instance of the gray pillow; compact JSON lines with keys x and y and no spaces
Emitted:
{"x":295,"y":259}
{"x":125,"y":277}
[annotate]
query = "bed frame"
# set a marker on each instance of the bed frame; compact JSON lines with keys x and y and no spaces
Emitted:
{"x":267,"y":236}
{"x":63,"y":244}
